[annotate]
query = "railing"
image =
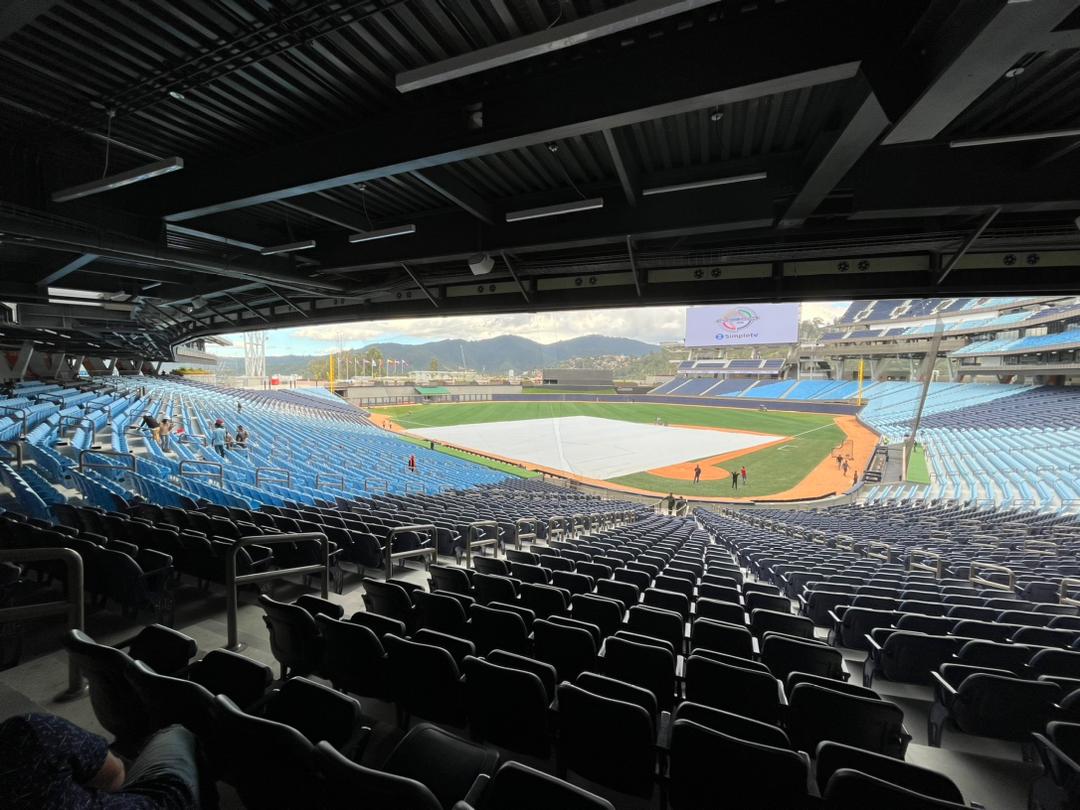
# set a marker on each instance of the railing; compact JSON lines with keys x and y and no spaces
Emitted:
{"x":72,"y":606}
{"x":22,"y":413}
{"x":413,"y":489}
{"x":89,"y":465}
{"x":977,"y":565}
{"x":19,"y":452}
{"x":471,"y":539}
{"x":376,"y":482}
{"x":556,"y":527}
{"x":1066,"y":584}
{"x":79,"y":421}
{"x":232,"y":580}
{"x":279,"y":471}
{"x":876,"y":550}
{"x":520,"y":535}
{"x":1041,"y":546}
{"x":186,"y":464}
{"x":320,"y":477}
{"x":916,"y":562}
{"x":845,"y":542}
{"x":578,"y":524}
{"x":432,"y":551}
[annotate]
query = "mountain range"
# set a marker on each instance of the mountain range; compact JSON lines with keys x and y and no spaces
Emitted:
{"x":496,"y":355}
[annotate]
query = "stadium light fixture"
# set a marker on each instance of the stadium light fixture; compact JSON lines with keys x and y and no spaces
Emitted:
{"x":382,"y":233}
{"x":136,"y":175}
{"x":1020,"y":137}
{"x":590,"y":204}
{"x":695,"y":184}
{"x":290,"y":247}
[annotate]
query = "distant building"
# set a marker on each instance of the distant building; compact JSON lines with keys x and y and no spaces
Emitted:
{"x":578,"y":379}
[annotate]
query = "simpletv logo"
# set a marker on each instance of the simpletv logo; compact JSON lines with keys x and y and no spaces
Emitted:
{"x":736,"y":321}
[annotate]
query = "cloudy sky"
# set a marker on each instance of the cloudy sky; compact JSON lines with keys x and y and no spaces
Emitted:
{"x":651,"y":324}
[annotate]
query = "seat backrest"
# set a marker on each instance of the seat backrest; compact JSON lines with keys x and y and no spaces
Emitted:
{"x":764,"y":601}
{"x":223,"y":672}
{"x":424,"y":679}
{"x":667,"y":600}
{"x":493,"y":588}
{"x":388,"y":599}
{"x":270,"y":764}
{"x":457,"y":646}
{"x":720,"y":611}
{"x":449,"y":578}
{"x":784,"y":655}
{"x":695,"y":750}
{"x":1007,"y":708}
{"x":440,"y":612}
{"x":167,"y":651}
{"x":816,"y":713}
{"x":571,"y":650}
{"x":833,"y":756}
{"x":645,"y":665}
{"x":506,"y":706}
{"x":379,"y":624}
{"x":544,"y":600}
{"x":734,"y":725}
{"x":663,"y":624}
{"x":733,"y":688}
{"x":849,"y":789}
{"x":316,"y":711}
{"x":105,"y":668}
{"x":344,"y":780}
{"x":294,"y":636}
{"x":353,"y":658}
{"x":607,"y":741}
{"x":519,"y":787}
{"x":625,"y":592}
{"x":170,"y":700}
{"x":493,"y":628}
{"x":573,"y":582}
{"x":763,"y":621}
{"x":541,"y":669}
{"x":725,"y":637}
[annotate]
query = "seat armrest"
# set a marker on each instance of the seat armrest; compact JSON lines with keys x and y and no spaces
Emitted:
{"x":663,"y":732}
{"x":875,"y":648}
{"x":353,"y":748}
{"x":472,"y":798}
{"x":945,"y":691}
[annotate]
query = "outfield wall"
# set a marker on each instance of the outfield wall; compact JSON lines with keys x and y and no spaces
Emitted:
{"x":746,"y":403}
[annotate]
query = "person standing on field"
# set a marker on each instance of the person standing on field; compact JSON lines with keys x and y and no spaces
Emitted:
{"x":697,"y":473}
{"x":744,"y":475}
{"x":734,"y":479}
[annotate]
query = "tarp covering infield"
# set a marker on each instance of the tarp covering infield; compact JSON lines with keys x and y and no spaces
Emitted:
{"x":592,"y":447}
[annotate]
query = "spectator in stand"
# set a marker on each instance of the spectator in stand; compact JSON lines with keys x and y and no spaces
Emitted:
{"x":241,"y":436}
{"x":239,"y":407}
{"x":164,"y":431}
{"x":229,"y":441}
{"x":669,"y":501}
{"x":412,"y":463}
{"x":47,"y":762}
{"x":217,"y":437}
{"x":146,"y":421}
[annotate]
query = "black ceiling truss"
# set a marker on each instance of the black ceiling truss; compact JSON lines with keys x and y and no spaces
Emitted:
{"x":768,"y":151}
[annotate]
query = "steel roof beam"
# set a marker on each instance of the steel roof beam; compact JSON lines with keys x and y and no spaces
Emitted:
{"x":712,"y":63}
{"x":625,"y":168}
{"x":442,"y":181}
{"x":69,"y":268}
{"x":959,"y":67}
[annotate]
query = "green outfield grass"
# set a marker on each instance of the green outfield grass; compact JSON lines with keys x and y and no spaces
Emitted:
{"x":917,"y":470}
{"x":771,"y":470}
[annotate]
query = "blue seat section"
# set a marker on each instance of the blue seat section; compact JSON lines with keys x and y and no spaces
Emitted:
{"x":304,"y":448}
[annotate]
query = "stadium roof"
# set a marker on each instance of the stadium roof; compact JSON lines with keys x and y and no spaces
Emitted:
{"x":701,"y":151}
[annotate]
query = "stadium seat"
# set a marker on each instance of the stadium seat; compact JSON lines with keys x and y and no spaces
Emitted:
{"x":646,"y":665}
{"x":849,"y":789}
{"x":105,"y":668}
{"x":731,"y":687}
{"x":294,"y":637}
{"x":425,"y":681}
{"x":861,"y":719}
{"x":519,"y":787}
{"x":354,"y":659}
{"x":831,"y":757}
{"x":319,"y":713}
{"x":701,"y":759}
{"x":1059,"y":750}
{"x":784,"y":655}
{"x":222,"y":672}
{"x":507,"y":707}
{"x":606,"y":740}
{"x":571,"y":650}
{"x":441,"y":612}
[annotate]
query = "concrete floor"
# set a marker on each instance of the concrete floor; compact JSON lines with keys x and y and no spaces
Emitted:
{"x":989,"y":772}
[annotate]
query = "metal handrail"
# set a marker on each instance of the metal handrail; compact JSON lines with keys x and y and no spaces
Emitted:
{"x":320,"y":476}
{"x":232,"y":580}
{"x":845,"y":542}
{"x":219,"y":475}
{"x":873,"y":554}
{"x":73,"y":606}
{"x":78,"y":420}
{"x":261,"y":471}
{"x":988,"y":583}
{"x":377,"y":482}
{"x":412,"y":489}
{"x":1066,"y":582}
{"x":519,"y":535}
{"x":937,"y":569}
{"x":474,"y":532}
{"x":19,"y":452}
{"x":556,"y":524}
{"x":392,"y":555}
{"x":85,"y":465}
{"x":22,"y":413}
{"x":1046,"y":546}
